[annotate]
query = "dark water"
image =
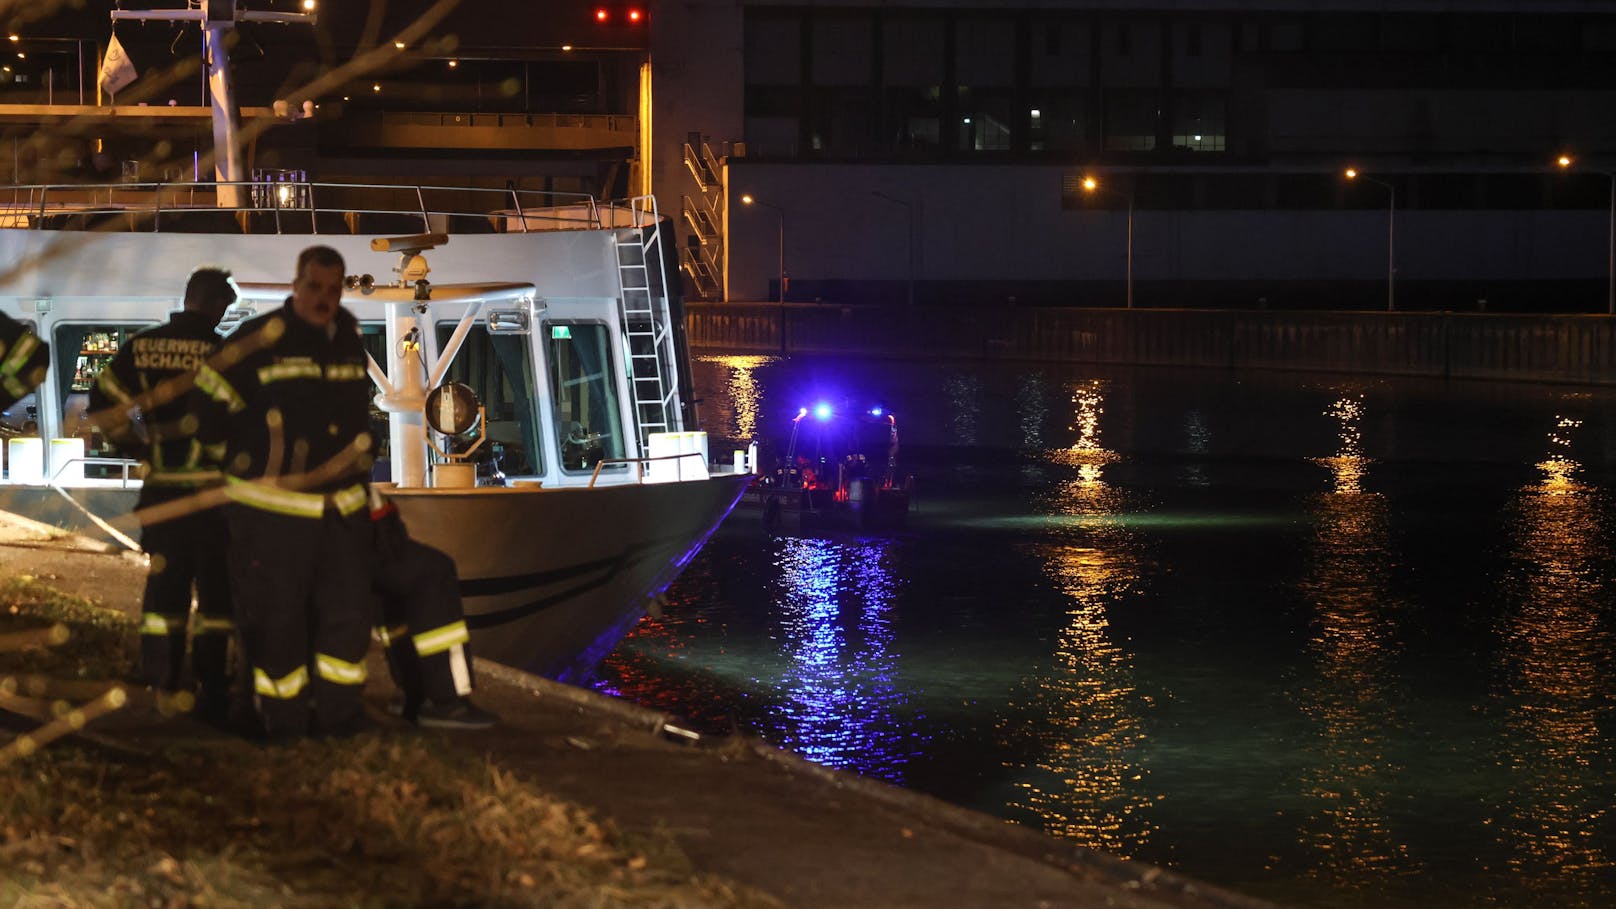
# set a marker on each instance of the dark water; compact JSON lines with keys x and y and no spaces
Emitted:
{"x":1329,"y":641}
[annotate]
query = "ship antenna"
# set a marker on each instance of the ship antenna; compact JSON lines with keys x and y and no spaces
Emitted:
{"x":218,"y":17}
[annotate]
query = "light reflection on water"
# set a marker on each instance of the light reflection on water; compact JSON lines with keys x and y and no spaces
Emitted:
{"x":737,"y":412}
{"x":1556,"y":681}
{"x":1350,"y":782}
{"x":839,"y":696}
{"x":1336,"y":645}
{"x":1081,"y":710}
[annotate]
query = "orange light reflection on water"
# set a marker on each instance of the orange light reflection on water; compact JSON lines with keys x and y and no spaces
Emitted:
{"x":1556,"y":663}
{"x":741,"y":407}
{"x":1086,"y":783}
{"x":1348,"y":783}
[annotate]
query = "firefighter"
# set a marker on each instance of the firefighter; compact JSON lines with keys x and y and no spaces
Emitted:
{"x":139,"y":403}
{"x":289,"y":401}
{"x":423,"y":627}
{"x":24,"y":360}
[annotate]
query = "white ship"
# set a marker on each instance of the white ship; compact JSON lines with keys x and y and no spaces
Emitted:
{"x":591,"y":494}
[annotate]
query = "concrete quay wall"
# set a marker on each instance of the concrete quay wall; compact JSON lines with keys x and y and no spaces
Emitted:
{"x":1540,"y":348}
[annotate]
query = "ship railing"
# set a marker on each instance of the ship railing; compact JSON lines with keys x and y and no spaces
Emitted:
{"x":124,"y":465}
{"x":56,"y":483}
{"x":308,"y":207}
{"x":644,"y":466}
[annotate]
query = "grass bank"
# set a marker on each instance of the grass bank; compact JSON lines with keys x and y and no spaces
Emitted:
{"x":390,"y":819}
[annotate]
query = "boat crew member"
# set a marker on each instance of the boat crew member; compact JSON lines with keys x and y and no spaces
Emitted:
{"x":293,"y":416}
{"x":139,"y":402}
{"x":24,"y":358}
{"x":423,"y":626}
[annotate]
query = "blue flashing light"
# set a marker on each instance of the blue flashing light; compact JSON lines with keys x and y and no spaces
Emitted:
{"x":822,"y":411}
{"x":876,"y":411}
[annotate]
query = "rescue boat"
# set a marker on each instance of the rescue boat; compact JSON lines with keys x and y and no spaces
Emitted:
{"x":841,"y":475}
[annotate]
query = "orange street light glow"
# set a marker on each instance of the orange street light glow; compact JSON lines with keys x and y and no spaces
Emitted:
{"x":1091,"y":184}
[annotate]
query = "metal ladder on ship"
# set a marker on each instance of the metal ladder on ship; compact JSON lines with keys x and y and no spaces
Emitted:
{"x":653,"y":378}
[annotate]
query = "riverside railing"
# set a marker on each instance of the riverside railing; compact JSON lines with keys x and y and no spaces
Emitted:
{"x":1577,"y":349}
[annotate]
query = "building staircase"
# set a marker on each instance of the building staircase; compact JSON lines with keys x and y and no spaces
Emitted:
{"x":702,"y":257}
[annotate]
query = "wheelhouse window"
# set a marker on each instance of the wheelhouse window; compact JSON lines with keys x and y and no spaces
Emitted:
{"x":499,"y":368}
{"x":81,"y":350}
{"x":374,"y":336}
{"x":583,"y":383}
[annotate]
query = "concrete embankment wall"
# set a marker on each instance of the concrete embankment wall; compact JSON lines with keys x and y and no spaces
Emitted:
{"x":1546,"y":348}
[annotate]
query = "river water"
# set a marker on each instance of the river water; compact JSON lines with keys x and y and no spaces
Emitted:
{"x":1330,"y":641}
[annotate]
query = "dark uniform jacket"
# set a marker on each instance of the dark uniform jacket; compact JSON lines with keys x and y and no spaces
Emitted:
{"x":290,"y":407}
{"x":24,"y":358}
{"x":163,"y":354}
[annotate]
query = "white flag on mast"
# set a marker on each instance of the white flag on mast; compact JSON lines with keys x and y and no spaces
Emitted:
{"x":116,"y":69}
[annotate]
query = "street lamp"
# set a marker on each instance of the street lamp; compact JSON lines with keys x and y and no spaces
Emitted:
{"x":1091,"y":185}
{"x":1565,"y":162}
{"x":750,"y":200}
{"x":1391,"y":242}
{"x":79,"y":45}
{"x":909,"y":209}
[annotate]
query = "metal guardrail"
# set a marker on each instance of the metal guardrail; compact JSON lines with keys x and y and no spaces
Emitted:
{"x":55,"y":483}
{"x":520,"y":210}
{"x":642,"y":462}
{"x":124,"y":463}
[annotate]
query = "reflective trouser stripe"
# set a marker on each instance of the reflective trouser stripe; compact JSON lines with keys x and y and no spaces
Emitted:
{"x":280,"y":501}
{"x":182,"y":477}
{"x":284,"y":688}
{"x":389,"y":636}
{"x":338,"y":671}
{"x":157,"y":623}
{"x":296,"y":504}
{"x":350,"y":499}
{"x":14,"y":386}
{"x":438,"y":640}
{"x":203,"y":624}
{"x":459,"y":671}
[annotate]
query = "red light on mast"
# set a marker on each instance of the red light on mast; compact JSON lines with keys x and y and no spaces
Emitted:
{"x":635,"y":17}
{"x":602,"y":15}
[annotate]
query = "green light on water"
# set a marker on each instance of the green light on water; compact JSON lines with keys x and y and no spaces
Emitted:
{"x":1135,"y":520}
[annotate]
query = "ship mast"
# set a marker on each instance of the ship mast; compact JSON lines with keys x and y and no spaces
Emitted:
{"x":217,"y":18}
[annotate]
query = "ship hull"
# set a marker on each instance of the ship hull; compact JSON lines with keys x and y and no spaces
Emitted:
{"x":552,"y":579}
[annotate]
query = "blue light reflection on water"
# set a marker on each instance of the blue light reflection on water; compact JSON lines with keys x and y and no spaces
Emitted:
{"x":839,"y":696}
{"x":1332,"y":642}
